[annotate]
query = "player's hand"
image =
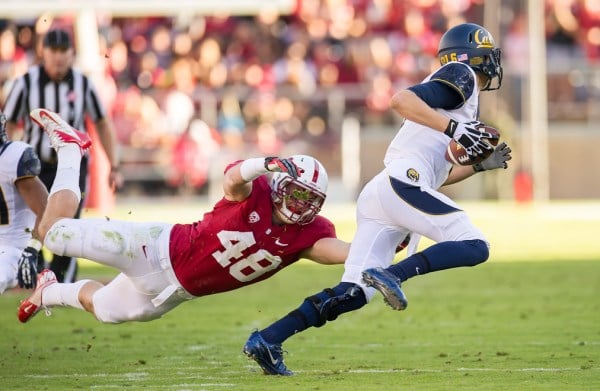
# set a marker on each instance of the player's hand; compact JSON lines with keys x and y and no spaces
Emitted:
{"x":497,"y":159}
{"x":27,"y":268}
{"x":275,"y":164}
{"x":469,"y":136}
{"x":115,"y":179}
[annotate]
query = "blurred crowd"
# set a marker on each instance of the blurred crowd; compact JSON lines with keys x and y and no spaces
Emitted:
{"x":260,"y":83}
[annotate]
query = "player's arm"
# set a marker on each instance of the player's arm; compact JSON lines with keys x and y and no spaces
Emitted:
{"x":29,"y":186}
{"x":498,"y":159}
{"x":237,"y":183}
{"x":411,"y":107}
{"x":327,"y":251}
{"x":235,"y":188}
{"x":108,"y":139}
{"x":35,"y":195}
{"x":459,"y":173}
{"x":447,"y":89}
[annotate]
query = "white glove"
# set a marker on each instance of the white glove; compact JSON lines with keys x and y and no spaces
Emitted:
{"x":469,"y":136}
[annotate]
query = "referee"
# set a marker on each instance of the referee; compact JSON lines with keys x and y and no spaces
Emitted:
{"x":56,"y":86}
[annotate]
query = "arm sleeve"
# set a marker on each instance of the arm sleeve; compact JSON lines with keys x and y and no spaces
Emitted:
{"x":29,"y":164}
{"x":448,"y":88}
{"x":438,"y":95}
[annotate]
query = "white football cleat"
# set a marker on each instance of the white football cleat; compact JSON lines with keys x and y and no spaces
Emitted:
{"x":33,"y":304}
{"x":59,"y":131}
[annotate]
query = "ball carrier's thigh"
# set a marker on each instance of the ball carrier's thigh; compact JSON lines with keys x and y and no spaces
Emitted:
{"x":384,"y":217}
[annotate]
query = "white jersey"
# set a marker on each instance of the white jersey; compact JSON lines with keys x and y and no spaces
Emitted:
{"x":16,"y":219}
{"x":417,"y":154}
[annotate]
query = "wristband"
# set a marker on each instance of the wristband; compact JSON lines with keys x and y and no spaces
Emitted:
{"x":36,"y":244}
{"x":251,"y":169}
{"x":478,"y":167}
{"x":451,"y":128}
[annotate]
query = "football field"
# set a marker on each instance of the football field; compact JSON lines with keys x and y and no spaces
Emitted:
{"x":528,"y":319}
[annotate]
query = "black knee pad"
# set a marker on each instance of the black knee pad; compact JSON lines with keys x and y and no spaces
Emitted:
{"x":331,"y":303}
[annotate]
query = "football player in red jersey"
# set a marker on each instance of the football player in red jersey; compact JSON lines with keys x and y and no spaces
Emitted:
{"x":259,"y":227}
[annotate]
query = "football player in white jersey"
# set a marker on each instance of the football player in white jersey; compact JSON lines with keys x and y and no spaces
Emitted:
{"x":22,"y":201}
{"x":404,"y":197}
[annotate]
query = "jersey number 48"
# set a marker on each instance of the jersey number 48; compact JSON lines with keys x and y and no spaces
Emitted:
{"x":241,"y":268}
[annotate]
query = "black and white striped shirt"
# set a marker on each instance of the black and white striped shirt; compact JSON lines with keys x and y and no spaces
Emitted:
{"x":72,"y":98}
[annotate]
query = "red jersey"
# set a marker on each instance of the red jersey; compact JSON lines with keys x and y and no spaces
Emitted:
{"x":237,"y":244}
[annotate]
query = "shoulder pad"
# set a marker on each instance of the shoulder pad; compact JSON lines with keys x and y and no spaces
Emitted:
{"x":458,"y":76}
{"x":29,"y":164}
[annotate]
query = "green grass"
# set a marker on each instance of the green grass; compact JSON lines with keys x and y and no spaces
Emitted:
{"x":504,"y":325}
{"x":500,"y":326}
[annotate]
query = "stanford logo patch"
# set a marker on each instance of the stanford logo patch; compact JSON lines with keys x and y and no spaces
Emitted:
{"x":253,"y":218}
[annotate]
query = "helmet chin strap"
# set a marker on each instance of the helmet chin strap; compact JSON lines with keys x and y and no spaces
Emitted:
{"x":280,"y":217}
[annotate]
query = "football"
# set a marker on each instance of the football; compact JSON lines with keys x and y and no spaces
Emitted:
{"x":456,"y":154}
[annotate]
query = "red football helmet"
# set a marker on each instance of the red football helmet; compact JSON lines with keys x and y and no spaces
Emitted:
{"x":299,"y":200}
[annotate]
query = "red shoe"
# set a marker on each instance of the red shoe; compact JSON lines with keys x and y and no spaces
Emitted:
{"x":33,"y":304}
{"x":59,"y":131}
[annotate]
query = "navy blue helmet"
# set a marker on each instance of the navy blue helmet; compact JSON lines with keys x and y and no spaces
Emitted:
{"x":473,"y":45}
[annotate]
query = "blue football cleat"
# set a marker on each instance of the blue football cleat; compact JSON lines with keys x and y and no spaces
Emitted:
{"x":389,"y":286}
{"x":268,"y":356}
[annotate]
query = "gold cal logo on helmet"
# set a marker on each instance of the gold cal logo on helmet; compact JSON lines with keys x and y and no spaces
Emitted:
{"x":483,"y":39}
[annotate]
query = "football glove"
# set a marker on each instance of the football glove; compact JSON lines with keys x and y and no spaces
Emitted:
{"x":275,"y":164}
{"x":27,"y":268}
{"x":468,"y":135}
{"x":497,"y":159}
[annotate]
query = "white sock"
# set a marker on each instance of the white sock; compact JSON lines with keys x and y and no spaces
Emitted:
{"x":67,"y":172}
{"x":63,"y":294}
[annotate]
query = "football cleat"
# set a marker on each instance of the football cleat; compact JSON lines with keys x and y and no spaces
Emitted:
{"x":389,"y":286}
{"x":33,"y":304}
{"x":60,"y":132}
{"x":268,"y":356}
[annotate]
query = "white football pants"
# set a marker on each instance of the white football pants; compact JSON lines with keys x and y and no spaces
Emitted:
{"x":146,"y":288}
{"x":383,"y":221}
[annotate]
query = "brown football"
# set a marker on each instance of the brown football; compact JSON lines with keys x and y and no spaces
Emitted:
{"x":456,"y":154}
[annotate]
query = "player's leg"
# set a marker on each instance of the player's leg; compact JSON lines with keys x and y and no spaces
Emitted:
{"x":145,"y":291}
{"x":65,"y":267}
{"x":49,"y":292}
{"x":69,"y":144}
{"x":121,"y":300}
{"x":265,"y":346}
{"x":434,"y":215}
